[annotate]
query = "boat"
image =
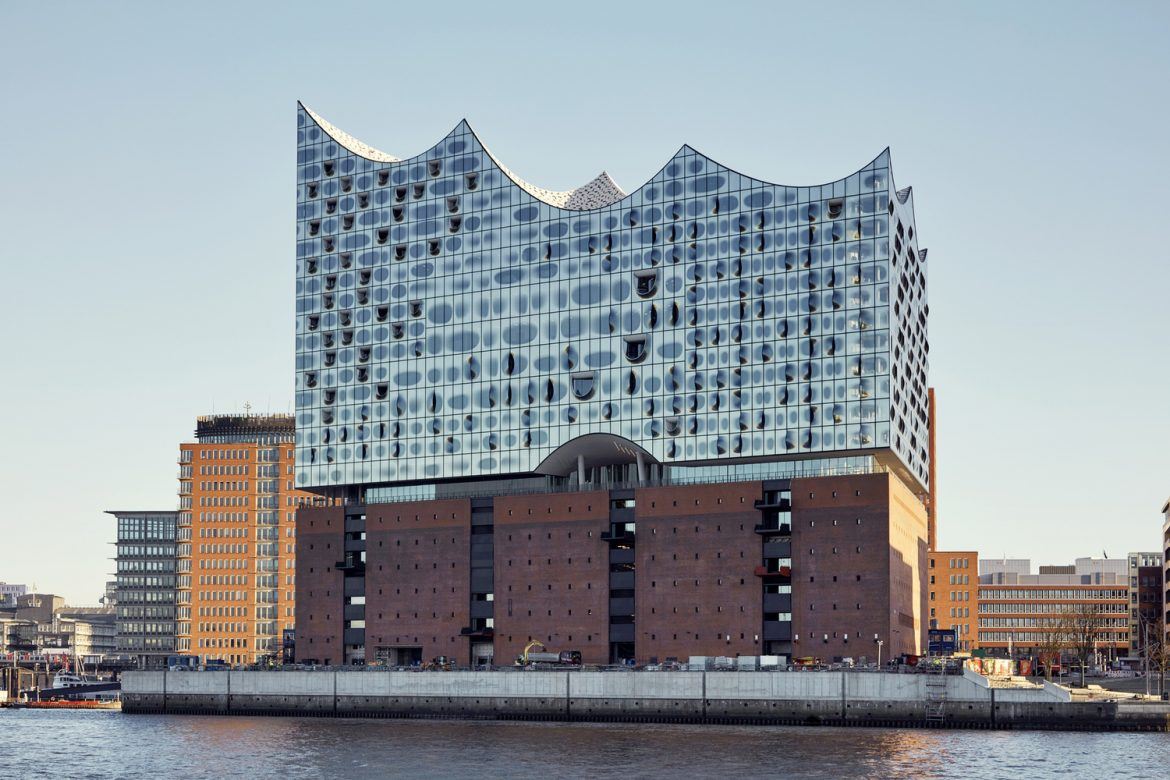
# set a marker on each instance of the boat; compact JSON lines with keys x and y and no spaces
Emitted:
{"x":67,"y":704}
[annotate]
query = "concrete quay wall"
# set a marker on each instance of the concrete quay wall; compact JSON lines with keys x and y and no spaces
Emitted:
{"x":812,"y":698}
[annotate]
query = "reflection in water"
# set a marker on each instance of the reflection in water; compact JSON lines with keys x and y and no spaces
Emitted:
{"x":104,"y":744}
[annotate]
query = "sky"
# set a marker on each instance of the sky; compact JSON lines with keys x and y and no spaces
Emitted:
{"x":147,"y":193}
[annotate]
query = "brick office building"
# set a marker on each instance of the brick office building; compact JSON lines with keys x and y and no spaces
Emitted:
{"x":236,"y":538}
{"x":691,"y":420}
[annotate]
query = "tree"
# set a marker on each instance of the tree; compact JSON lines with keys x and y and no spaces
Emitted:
{"x":1054,"y":640}
{"x":1083,"y":623}
{"x":1157,"y":651}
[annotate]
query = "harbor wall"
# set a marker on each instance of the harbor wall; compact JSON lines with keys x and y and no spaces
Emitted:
{"x":813,"y":698}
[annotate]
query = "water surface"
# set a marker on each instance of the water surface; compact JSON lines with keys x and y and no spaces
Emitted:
{"x":113,"y":745}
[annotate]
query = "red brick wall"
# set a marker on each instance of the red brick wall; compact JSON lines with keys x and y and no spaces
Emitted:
{"x":696,"y":553}
{"x":319,"y":617}
{"x":552,"y":574}
{"x":827,"y":596}
{"x":418,"y":577}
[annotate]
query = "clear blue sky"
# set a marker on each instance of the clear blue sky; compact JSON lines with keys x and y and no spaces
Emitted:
{"x":146,"y":217}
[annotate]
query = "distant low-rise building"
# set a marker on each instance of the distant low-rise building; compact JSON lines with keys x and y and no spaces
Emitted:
{"x":1021,"y":613}
{"x":10,"y":592}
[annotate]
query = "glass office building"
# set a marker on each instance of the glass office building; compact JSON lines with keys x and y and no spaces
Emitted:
{"x":455,"y":323}
{"x":146,"y":585}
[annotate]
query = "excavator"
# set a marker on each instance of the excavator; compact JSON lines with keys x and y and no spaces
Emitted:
{"x":563,"y":658}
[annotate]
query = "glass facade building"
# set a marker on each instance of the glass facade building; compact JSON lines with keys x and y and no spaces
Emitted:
{"x":455,"y":323}
{"x":146,"y":585}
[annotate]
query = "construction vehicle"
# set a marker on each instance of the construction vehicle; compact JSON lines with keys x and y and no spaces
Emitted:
{"x":441,"y":663}
{"x":531,"y":656}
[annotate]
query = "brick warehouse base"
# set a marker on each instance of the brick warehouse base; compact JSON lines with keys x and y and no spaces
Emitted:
{"x":820,"y":566}
{"x":764,"y":698}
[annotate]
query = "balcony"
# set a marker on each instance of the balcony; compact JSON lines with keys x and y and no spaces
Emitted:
{"x":774,"y":529}
{"x":782,"y":573}
{"x":351,"y":565}
{"x":487,"y":632}
{"x":618,"y":537}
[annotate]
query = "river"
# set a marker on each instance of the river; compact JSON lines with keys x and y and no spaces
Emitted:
{"x":112,"y":745}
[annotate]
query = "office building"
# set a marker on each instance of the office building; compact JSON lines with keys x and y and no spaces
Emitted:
{"x":725,"y":379}
{"x":1166,"y":573}
{"x":146,"y":586}
{"x":236,"y":537}
{"x":1145,"y":600}
{"x":954,"y":595}
{"x":1021,"y":613}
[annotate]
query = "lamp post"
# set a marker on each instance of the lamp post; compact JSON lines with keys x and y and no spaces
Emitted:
{"x":879,"y":658}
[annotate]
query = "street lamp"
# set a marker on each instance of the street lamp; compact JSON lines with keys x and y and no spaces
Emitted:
{"x":879,"y":658}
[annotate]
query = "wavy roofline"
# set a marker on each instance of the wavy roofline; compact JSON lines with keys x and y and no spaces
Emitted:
{"x":599,"y":192}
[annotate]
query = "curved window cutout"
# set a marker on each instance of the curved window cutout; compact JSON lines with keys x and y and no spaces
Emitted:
{"x":330,"y":397}
{"x":584,"y":384}
{"x":398,"y":213}
{"x":647,"y":283}
{"x":398,"y":329}
{"x":418,"y":190}
{"x":383,"y":235}
{"x":311,"y":379}
{"x":434,"y":167}
{"x":314,"y":322}
{"x":632,"y":383}
{"x":312,"y":190}
{"x":347,"y":222}
{"x":311,"y":266}
{"x":416,"y":309}
{"x":346,"y":183}
{"x":400,"y":252}
{"x":636,"y":350}
{"x":346,"y":337}
{"x":399,"y":194}
{"x":330,"y":167}
{"x":472,"y":180}
{"x":434,"y":245}
{"x":673,"y":426}
{"x":331,"y":206}
{"x":364,"y":355}
{"x":363,"y":374}
{"x":346,"y":259}
{"x":330,"y":359}
{"x":383,"y":178}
